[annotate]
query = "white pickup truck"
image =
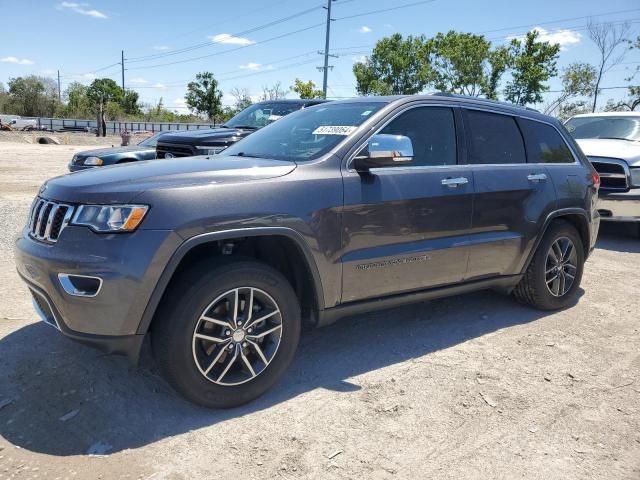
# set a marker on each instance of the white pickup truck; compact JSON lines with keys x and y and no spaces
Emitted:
{"x":18,"y":123}
{"x":611,"y":141}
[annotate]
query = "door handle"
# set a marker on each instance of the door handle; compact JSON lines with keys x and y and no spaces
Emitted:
{"x":537,"y":177}
{"x":454,"y":182}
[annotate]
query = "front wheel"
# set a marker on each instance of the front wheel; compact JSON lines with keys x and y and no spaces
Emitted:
{"x":553,"y":277}
{"x":228,"y":333}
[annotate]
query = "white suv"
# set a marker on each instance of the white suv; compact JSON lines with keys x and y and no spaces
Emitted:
{"x":611,"y":141}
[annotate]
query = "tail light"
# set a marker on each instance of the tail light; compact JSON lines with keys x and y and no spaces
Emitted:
{"x":595,"y":176}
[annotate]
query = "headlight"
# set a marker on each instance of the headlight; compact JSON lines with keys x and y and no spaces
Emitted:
{"x":635,"y":177}
{"x":94,"y":161}
{"x":209,"y":150}
{"x":110,"y":218}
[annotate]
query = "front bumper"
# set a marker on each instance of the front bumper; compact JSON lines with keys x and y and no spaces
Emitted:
{"x":129,"y":266}
{"x":620,"y":207}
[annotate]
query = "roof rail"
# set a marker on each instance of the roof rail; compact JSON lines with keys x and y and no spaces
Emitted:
{"x":483,"y":100}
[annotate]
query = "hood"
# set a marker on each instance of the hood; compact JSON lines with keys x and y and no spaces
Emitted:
{"x":103,"y":152}
{"x":209,"y":136}
{"x":611,"y":148}
{"x":122,"y":183}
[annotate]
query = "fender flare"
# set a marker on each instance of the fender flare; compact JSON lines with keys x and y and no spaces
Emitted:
{"x":551,"y":217}
{"x":189,"y":244}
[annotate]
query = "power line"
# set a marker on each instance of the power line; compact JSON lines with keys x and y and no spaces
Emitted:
{"x":277,"y":37}
{"x":214,"y":42}
{"x":382,"y":10}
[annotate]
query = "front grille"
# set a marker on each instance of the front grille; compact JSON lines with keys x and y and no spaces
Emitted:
{"x":47,"y":220}
{"x":175,"y":150}
{"x":614,"y":173}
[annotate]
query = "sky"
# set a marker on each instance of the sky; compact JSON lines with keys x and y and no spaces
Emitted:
{"x":249,"y":44}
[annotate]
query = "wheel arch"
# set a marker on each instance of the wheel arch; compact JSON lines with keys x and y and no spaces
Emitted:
{"x":299,"y":261}
{"x":576,"y":217}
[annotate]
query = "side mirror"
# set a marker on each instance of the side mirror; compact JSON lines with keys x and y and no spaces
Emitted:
{"x":384,"y":150}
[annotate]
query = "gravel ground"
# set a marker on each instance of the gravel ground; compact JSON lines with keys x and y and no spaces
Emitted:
{"x":475,"y":386}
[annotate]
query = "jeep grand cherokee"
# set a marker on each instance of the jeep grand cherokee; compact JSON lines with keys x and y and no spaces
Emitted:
{"x":335,"y":209}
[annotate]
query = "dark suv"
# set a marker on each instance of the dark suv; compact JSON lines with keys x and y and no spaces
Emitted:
{"x":213,"y":140}
{"x":333,"y":210}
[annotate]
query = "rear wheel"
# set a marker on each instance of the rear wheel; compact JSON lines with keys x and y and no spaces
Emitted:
{"x":553,"y":277}
{"x":229,"y":334}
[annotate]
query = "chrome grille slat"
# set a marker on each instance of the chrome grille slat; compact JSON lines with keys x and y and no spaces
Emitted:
{"x":614,"y":173}
{"x":47,"y":220}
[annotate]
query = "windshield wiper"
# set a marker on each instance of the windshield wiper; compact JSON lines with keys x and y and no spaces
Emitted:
{"x":247,"y":155}
{"x":246,"y":127}
{"x":617,"y":138}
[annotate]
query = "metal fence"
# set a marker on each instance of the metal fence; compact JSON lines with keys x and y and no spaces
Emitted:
{"x":114,"y":127}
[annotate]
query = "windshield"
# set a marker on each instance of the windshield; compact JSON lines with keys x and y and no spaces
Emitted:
{"x":150,"y":141}
{"x":620,"y":128}
{"x":261,"y":114}
{"x":307,"y":134}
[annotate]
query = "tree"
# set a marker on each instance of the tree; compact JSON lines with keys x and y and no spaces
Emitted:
{"x":4,"y":98}
{"x":306,"y":89}
{"x":129,"y":102}
{"x":569,"y":109}
{"x":395,"y":66}
{"x":464,"y":63}
{"x":628,"y":104}
{"x":578,"y":80}
{"x":100,"y":93}
{"x":77,"y":104}
{"x":241,"y":99}
{"x":32,"y":96}
{"x":275,"y":92}
{"x":532,"y":64}
{"x":204,"y":97}
{"x":610,"y":39}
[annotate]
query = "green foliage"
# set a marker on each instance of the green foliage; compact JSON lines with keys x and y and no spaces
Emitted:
{"x":104,"y":90}
{"x":77,"y":103}
{"x":396,"y":66}
{"x":532,"y":63}
{"x":204,"y":97}
{"x":465,"y":63}
{"x":578,"y":79}
{"x":306,"y":89}
{"x":32,"y":96}
{"x":569,"y":109}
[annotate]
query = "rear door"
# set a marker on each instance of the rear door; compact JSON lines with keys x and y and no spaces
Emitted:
{"x":404,"y":226}
{"x":511,"y":194}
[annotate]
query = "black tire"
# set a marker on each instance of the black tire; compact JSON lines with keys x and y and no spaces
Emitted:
{"x":173,"y":342}
{"x":532,"y":289}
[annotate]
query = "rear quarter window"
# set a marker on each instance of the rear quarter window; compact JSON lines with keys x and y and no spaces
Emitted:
{"x":544,"y":144}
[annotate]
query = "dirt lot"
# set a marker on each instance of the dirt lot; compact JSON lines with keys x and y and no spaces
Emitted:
{"x":469,"y":387}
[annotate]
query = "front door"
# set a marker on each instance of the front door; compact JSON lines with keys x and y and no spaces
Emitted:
{"x":404,"y":227}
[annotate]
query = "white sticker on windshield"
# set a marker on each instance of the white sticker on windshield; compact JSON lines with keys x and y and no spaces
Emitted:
{"x":367,"y":113}
{"x":334,"y":130}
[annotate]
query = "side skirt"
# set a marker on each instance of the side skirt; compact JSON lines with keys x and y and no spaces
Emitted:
{"x":331,"y":315}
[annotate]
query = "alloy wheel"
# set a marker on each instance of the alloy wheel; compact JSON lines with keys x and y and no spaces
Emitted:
{"x":237,"y":336}
{"x":561,"y":266}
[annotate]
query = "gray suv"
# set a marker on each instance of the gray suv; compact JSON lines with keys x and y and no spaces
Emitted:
{"x":334,"y":210}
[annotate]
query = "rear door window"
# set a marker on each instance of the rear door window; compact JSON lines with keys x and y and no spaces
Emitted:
{"x":494,"y":138}
{"x":544,"y":143}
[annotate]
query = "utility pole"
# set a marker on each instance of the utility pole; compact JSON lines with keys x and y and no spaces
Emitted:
{"x":122,"y":65}
{"x":59,"y":96}
{"x":325,"y":69}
